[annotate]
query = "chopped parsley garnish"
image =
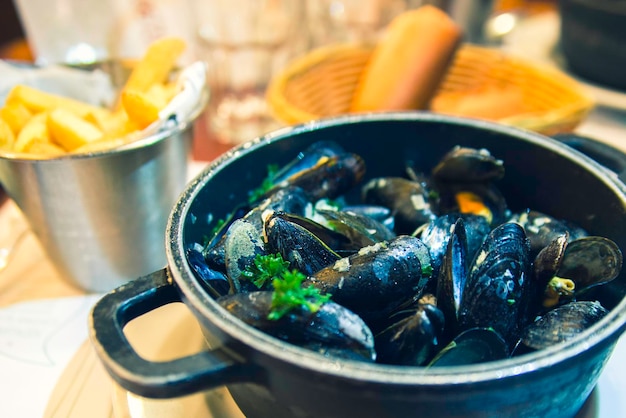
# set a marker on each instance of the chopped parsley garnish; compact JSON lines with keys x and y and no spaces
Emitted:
{"x":288,"y":293}
{"x":265,"y":269}
{"x":427,"y":271}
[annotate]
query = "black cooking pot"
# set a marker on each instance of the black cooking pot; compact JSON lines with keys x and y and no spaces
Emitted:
{"x":270,"y":378}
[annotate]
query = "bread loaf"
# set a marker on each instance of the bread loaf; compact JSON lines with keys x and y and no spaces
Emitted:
{"x":408,"y":64}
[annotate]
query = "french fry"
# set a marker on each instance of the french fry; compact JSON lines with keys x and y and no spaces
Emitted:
{"x":101,"y":145}
{"x":16,"y":115}
{"x":35,"y":130}
{"x":140,"y":108}
{"x":44,"y":149}
{"x":156,"y":64}
{"x":115,"y":124}
{"x":100,"y":119}
{"x":39,"y":124}
{"x":7,"y":137}
{"x":162,"y":93}
{"x":70,"y":131}
{"x":37,"y":101}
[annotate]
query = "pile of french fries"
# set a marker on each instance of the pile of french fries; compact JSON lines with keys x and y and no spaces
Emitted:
{"x":37,"y":124}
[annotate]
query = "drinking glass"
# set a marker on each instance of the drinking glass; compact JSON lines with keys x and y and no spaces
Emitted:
{"x":245,"y":43}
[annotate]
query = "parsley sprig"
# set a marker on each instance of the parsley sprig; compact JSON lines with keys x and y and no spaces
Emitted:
{"x":265,"y":269}
{"x":288,"y":293}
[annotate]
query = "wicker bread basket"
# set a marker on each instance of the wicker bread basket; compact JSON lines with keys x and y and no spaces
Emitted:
{"x":322,"y":83}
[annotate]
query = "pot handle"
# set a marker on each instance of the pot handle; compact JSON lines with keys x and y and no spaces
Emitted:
{"x":610,"y":157}
{"x":182,"y":376}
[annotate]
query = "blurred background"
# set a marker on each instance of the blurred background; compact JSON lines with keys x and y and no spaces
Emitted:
{"x":14,"y":45}
{"x":241,"y":63}
{"x":12,"y":40}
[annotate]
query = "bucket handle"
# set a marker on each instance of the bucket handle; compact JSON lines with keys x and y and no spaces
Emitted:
{"x":178,"y":377}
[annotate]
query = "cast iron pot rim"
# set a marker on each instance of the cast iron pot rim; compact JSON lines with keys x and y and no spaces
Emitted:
{"x":613,"y":324}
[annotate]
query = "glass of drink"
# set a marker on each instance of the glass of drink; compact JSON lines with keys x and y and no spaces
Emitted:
{"x":245,"y":43}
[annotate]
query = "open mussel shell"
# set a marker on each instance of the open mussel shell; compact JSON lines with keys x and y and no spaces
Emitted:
{"x":484,"y":199}
{"x":549,"y":259}
{"x":289,"y":199}
{"x":475,"y":345}
{"x":560,"y":324}
{"x":591,"y":261}
{"x":413,"y":336}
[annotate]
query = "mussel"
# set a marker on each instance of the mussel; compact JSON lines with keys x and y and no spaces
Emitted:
{"x":242,"y":243}
{"x":331,"y":176}
{"x":332,"y":329}
{"x":379,"y":278}
{"x":496,"y":291}
{"x":438,"y":232}
{"x":408,"y":201}
{"x":590,"y":261}
{"x":425,"y":270}
{"x":308,"y":159}
{"x":560,"y":324}
{"x":413,"y":336}
{"x":483,"y":199}
{"x":465,"y":180}
{"x":305,"y":250}
{"x":566,"y":269}
{"x":474,"y":345}
{"x":541,"y":229}
{"x":452,"y":278}
{"x":468,"y":165}
{"x":289,"y":199}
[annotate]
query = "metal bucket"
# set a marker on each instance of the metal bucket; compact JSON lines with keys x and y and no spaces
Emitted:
{"x":101,"y":217}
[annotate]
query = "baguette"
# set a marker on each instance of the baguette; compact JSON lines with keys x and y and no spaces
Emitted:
{"x":407,"y":66}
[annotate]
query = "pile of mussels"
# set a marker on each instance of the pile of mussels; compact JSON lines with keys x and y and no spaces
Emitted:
{"x":427,"y":270}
